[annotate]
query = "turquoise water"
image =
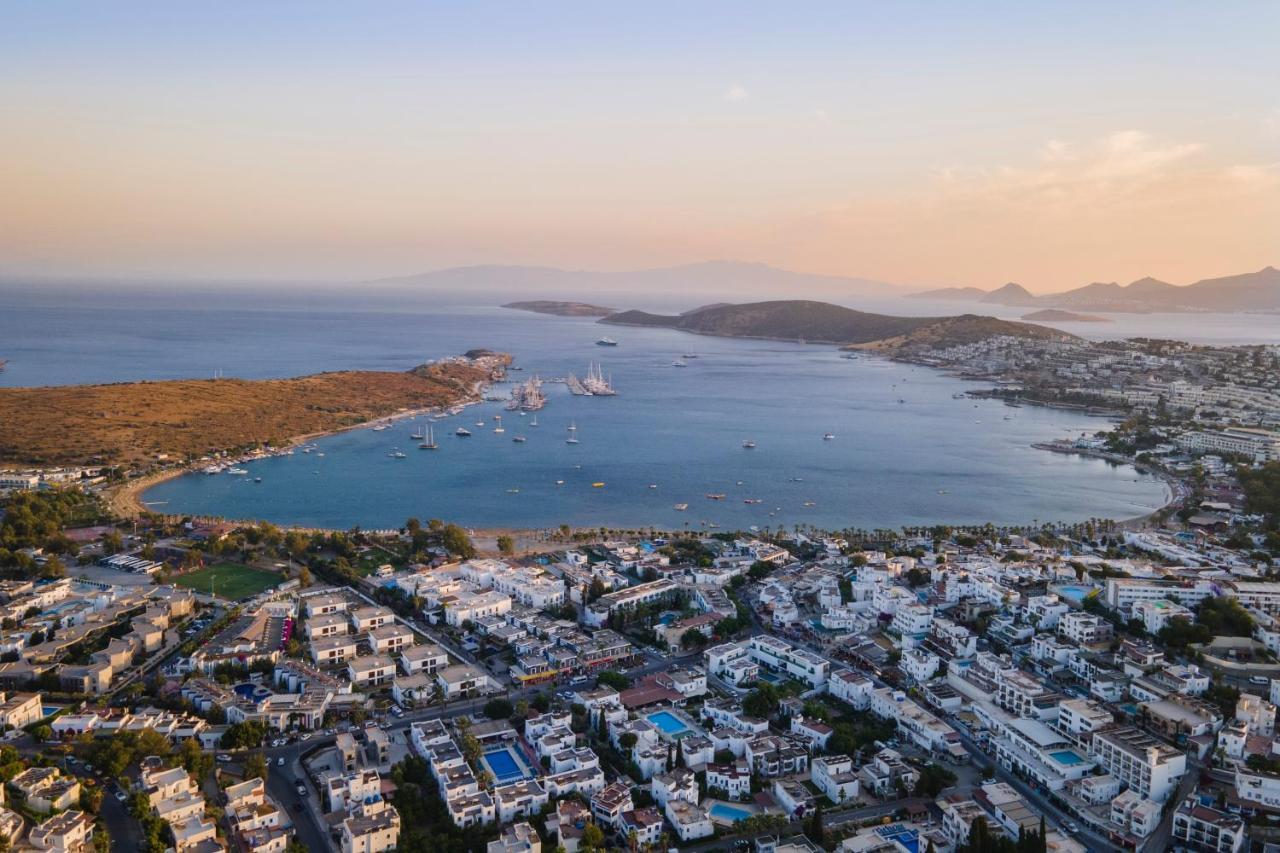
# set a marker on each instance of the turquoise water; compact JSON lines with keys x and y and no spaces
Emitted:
{"x":1075,"y":593}
{"x":728,"y":813}
{"x":929,"y":459}
{"x":668,"y":722}
{"x":1067,"y":757}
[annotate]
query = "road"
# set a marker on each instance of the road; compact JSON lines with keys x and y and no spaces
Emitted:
{"x":1055,"y":816}
{"x":1159,"y":839}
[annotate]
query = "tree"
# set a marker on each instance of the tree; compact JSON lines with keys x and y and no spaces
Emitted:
{"x":244,"y":735}
{"x":456,"y":541}
{"x":762,"y":701}
{"x":933,"y":778}
{"x":471,"y":749}
{"x":498,"y":709}
{"x":592,"y":837}
{"x":815,"y":830}
{"x":596,"y":589}
{"x":42,"y":732}
{"x":255,"y":766}
{"x":506,"y":546}
{"x":616,"y":680}
{"x":693,"y":639}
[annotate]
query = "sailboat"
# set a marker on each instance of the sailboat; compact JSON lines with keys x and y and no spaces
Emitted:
{"x":498,"y":428}
{"x":397,"y":454}
{"x":748,"y":444}
{"x":417,"y":434}
{"x":573,"y":434}
{"x":534,"y":422}
{"x":430,"y":443}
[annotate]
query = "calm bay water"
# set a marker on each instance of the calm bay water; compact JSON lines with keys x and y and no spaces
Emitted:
{"x":930,"y":458}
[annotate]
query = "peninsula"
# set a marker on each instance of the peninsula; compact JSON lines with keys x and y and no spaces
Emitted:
{"x":562,"y":309}
{"x":822,"y":322}
{"x":146,"y":422}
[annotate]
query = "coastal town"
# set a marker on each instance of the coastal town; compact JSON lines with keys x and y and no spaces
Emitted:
{"x":197,"y":684}
{"x":640,"y":428}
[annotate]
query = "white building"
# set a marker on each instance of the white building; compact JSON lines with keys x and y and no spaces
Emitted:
{"x":835,"y":776}
{"x":1148,"y":766}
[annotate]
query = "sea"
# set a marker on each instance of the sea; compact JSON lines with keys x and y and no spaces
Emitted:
{"x":906,"y":447}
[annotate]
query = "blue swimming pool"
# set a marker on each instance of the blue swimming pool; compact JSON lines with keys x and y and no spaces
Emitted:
{"x":1066,"y":756}
{"x":729,"y":813}
{"x":668,"y":722}
{"x":503,"y":765}
{"x":908,"y":839}
{"x":1075,"y":593}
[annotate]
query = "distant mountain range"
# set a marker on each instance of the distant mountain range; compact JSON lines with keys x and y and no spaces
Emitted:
{"x":1255,"y":291}
{"x":715,"y":278}
{"x":822,"y":322}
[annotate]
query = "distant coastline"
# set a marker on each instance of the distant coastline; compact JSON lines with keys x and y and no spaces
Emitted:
{"x":1057,"y":315}
{"x":561,"y":309}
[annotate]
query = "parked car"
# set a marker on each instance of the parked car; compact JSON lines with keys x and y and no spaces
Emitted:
{"x":280,"y":761}
{"x":224,"y":758}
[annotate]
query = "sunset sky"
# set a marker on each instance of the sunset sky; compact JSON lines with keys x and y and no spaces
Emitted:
{"x":919,"y":143}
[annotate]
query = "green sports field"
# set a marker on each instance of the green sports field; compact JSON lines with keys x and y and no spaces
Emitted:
{"x":230,"y":581}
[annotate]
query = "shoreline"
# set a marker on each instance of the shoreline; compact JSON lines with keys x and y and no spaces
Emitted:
{"x":126,"y":501}
{"x":1175,"y":484}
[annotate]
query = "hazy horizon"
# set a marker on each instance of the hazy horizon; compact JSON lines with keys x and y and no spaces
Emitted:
{"x":916,"y":144}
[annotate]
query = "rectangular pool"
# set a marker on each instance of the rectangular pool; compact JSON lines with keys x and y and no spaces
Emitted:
{"x":668,"y":722}
{"x":503,"y":765}
{"x":1067,"y":757}
{"x":729,"y":813}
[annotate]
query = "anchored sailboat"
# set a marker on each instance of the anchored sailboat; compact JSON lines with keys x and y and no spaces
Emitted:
{"x":573,"y":434}
{"x":430,"y":442}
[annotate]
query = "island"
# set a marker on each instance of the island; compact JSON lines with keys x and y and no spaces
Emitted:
{"x":1057,"y":315}
{"x":562,"y":309}
{"x":825,"y":323}
{"x":176,"y":421}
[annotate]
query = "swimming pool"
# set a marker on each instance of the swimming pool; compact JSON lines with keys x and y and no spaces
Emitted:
{"x":726,"y":812}
{"x":1066,"y":756}
{"x":503,"y":765}
{"x":668,"y":722}
{"x":1075,"y":593}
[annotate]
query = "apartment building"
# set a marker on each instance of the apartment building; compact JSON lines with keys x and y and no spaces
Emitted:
{"x":1199,"y":827}
{"x":780,"y":656}
{"x":1148,"y":766}
{"x":1085,"y":629}
{"x":836,"y":777}
{"x":597,"y":613}
{"x":426,"y":657}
